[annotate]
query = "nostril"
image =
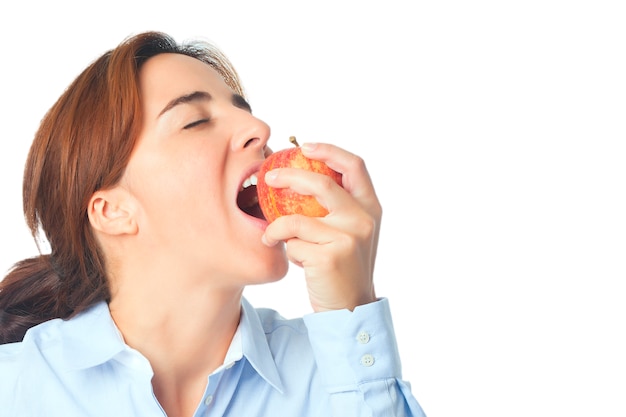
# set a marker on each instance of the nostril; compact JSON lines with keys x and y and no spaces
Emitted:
{"x":250,"y":142}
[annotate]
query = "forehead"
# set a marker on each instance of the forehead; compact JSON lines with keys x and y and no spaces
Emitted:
{"x":167,"y":76}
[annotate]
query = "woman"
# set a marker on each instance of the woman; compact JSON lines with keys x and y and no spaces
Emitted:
{"x":136,"y":178}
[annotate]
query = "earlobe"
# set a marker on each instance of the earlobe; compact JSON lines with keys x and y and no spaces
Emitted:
{"x":111,"y":213}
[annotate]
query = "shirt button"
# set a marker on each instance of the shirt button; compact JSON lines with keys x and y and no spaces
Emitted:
{"x":367,"y":360}
{"x":208,"y":399}
{"x":363,"y":337}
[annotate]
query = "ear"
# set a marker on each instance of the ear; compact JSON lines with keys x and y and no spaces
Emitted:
{"x":112,"y":212}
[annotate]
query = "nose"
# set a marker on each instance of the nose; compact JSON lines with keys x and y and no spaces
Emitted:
{"x":250,"y":132}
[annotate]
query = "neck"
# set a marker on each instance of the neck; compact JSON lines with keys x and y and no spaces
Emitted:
{"x":184,"y":332}
{"x":176,"y":329}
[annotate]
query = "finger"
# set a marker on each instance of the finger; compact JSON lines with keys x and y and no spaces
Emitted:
{"x":356,"y":178}
{"x":335,"y":272}
{"x":325,"y":190}
{"x":310,"y":229}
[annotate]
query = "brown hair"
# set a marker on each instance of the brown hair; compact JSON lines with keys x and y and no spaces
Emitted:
{"x":83,"y":145}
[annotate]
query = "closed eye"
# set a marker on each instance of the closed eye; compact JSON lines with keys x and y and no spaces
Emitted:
{"x":196,"y":123}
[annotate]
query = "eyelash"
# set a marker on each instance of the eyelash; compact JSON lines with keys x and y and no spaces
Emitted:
{"x":196,"y":123}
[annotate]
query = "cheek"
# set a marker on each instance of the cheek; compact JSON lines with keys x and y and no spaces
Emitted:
{"x":169,"y":184}
{"x":177,"y":186}
{"x":181,"y":189}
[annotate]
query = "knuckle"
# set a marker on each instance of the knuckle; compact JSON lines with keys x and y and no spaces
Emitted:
{"x":366,"y":226}
{"x":356,"y":163}
{"x":368,"y":231}
{"x":295,"y":223}
{"x":377,"y":210}
{"x":348,"y":243}
{"x":326,"y":183}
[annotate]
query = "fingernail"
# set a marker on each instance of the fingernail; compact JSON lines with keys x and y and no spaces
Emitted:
{"x":266,"y":242}
{"x":309,"y":146}
{"x":271,"y":175}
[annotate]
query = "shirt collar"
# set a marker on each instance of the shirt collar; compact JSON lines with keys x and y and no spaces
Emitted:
{"x":91,"y":338}
{"x":255,"y":346}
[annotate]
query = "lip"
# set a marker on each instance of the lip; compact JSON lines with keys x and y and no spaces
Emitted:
{"x":252,"y":169}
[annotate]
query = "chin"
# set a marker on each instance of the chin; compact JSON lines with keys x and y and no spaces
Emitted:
{"x":270,"y":267}
{"x":277,"y":269}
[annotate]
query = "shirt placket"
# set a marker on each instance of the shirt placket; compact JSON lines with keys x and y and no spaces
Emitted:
{"x":220,"y":389}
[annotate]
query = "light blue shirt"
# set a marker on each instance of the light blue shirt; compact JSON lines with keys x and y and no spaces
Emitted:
{"x":338,"y":363}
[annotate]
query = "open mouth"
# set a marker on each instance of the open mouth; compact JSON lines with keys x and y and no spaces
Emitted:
{"x":248,"y":199}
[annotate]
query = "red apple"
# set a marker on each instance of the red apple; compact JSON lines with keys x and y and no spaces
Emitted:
{"x":276,"y":202}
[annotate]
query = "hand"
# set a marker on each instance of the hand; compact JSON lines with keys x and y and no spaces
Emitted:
{"x":337,"y":252}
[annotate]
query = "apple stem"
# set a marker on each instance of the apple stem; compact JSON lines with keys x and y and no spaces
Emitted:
{"x":293,"y":140}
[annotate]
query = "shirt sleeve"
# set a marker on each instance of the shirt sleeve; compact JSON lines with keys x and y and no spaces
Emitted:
{"x":357,"y":356}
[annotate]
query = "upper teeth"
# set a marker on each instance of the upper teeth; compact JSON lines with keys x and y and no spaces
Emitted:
{"x":251,"y":180}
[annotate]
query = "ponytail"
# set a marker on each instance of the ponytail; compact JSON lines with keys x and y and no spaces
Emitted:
{"x":29,"y":296}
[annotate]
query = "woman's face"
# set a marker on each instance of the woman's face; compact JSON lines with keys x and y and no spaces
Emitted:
{"x":198,"y":144}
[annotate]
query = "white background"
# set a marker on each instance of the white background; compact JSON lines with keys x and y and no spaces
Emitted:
{"x":494,"y":131}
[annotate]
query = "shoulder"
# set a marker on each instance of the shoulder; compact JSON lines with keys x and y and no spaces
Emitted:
{"x":59,"y":343}
{"x":37,"y":341}
{"x":266,"y":326}
{"x":10,"y":355}
{"x":376,"y":314}
{"x":10,"y":369}
{"x":21,"y":363}
{"x":36,"y":337}
{"x":269,"y":321}
{"x":54,"y":361}
{"x":273,"y":321}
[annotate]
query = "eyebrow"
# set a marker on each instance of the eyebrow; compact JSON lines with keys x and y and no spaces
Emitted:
{"x":187,"y":98}
{"x":236,"y":99}
{"x":240,"y":102}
